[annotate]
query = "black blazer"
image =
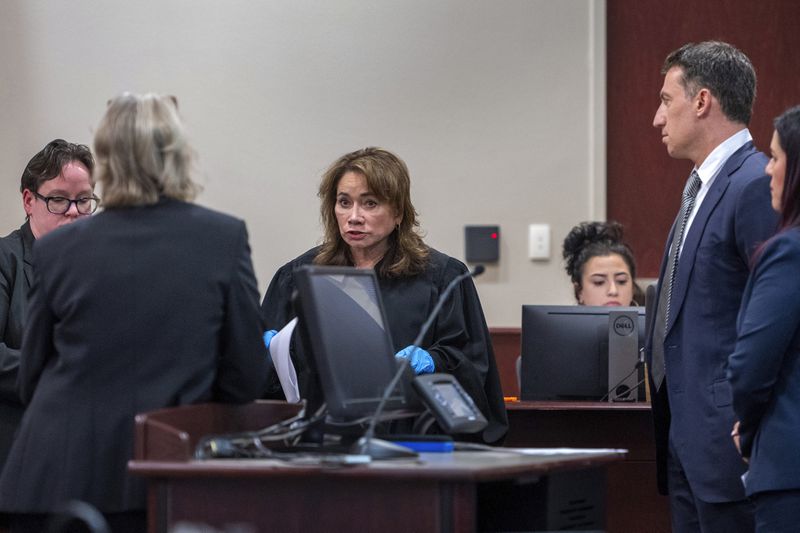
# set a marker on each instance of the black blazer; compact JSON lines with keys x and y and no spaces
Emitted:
{"x":131,"y":310}
{"x":764,"y":369}
{"x":16,"y":271}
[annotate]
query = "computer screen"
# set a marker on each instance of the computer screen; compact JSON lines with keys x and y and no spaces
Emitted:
{"x":565,"y":354}
{"x":344,"y":323}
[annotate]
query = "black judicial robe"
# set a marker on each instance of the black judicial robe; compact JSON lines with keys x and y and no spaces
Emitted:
{"x":458,"y":340}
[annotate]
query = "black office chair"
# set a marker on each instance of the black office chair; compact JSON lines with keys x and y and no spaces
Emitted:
{"x":78,"y":517}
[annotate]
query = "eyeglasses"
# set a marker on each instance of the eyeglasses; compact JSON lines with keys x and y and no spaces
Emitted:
{"x":58,"y":205}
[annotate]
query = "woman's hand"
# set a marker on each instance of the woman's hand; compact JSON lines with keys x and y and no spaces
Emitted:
{"x":737,"y":441}
{"x":420,"y":360}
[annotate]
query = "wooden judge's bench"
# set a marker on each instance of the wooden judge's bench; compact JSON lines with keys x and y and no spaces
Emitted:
{"x":461,"y":491}
{"x":633,"y":502}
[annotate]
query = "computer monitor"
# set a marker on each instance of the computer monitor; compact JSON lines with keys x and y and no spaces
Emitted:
{"x":565,"y":354}
{"x":343,"y":324}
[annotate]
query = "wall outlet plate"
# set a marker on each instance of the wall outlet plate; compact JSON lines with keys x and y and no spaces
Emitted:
{"x":539,"y":241}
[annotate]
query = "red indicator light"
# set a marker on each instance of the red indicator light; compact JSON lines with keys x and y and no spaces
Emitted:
{"x":494,"y":235}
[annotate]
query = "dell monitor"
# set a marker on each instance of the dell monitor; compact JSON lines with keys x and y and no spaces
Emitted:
{"x":566,"y":355}
{"x":344,"y":327}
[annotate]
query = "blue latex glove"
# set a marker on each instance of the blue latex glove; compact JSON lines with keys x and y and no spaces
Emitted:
{"x":420,"y":360}
{"x":268,"y":337}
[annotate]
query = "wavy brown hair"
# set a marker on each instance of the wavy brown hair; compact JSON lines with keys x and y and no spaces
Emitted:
{"x":387,"y":178}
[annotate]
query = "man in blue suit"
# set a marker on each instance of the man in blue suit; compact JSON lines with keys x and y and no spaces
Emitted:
{"x":706,"y":103}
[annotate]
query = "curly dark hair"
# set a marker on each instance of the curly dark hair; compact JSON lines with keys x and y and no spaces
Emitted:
{"x":593,"y":239}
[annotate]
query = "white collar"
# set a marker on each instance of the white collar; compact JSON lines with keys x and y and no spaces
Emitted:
{"x":713,"y":163}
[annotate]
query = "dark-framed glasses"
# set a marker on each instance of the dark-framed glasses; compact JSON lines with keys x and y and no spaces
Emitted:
{"x":58,"y":205}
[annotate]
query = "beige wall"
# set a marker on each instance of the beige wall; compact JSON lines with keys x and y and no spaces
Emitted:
{"x":496,"y":106}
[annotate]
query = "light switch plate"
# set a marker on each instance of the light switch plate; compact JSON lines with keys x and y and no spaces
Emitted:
{"x":539,"y":241}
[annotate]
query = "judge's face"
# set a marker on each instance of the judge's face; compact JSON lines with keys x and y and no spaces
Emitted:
{"x":365,"y":221}
{"x":675,"y":116}
{"x":72,"y":183}
{"x":606,"y":280}
{"x":776,"y":168}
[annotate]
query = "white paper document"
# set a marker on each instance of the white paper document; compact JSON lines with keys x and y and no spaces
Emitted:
{"x":279,"y":350}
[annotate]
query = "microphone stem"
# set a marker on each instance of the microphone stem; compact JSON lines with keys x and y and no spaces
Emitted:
{"x":404,"y":362}
{"x":442,"y":299}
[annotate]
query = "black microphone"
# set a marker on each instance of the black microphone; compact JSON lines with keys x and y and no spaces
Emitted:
{"x":381,"y":449}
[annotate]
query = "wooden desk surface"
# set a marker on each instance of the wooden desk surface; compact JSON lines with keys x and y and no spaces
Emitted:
{"x":576,"y":406}
{"x":467,"y":466}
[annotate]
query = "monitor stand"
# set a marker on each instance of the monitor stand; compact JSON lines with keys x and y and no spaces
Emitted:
{"x":381,"y":449}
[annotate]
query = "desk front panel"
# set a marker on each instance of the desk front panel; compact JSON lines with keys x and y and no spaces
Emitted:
{"x":633,"y":502}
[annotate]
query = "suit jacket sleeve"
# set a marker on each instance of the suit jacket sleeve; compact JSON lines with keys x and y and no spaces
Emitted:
{"x":767,"y":324}
{"x":9,"y":357}
{"x":242,"y":369}
{"x":754,"y":223}
{"x":37,"y":342}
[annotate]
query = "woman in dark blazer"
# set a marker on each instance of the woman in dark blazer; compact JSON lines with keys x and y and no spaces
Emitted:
{"x":149,"y":304}
{"x":764,"y":369}
{"x":57,"y":189}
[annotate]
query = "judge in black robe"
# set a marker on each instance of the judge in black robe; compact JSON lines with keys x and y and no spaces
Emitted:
{"x":458,"y":341}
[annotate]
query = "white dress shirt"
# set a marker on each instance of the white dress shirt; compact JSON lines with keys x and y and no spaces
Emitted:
{"x":710,"y":168}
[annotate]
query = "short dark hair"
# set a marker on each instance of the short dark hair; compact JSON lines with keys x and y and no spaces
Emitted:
{"x":597,"y":239}
{"x":788,"y":128}
{"x":47,"y":164}
{"x":721,"y":68}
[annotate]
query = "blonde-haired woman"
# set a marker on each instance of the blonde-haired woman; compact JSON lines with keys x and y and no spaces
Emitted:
{"x":151,"y":303}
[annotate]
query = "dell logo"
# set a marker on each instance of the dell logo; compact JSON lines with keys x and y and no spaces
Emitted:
{"x":623,"y":325}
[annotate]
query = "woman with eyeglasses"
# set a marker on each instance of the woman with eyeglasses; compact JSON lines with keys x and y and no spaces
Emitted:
{"x":764,"y":369}
{"x":151,"y":303}
{"x":57,"y":189}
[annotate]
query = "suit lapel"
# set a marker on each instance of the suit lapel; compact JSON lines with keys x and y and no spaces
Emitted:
{"x":27,"y":252}
{"x":692,"y":240}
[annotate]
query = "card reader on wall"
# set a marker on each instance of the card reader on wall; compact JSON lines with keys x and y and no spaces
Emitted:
{"x":482,"y":244}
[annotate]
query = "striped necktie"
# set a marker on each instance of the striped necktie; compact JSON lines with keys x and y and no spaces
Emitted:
{"x":665,"y":294}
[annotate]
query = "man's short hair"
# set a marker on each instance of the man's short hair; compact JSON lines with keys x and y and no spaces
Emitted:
{"x":47,"y":164}
{"x":721,"y":68}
